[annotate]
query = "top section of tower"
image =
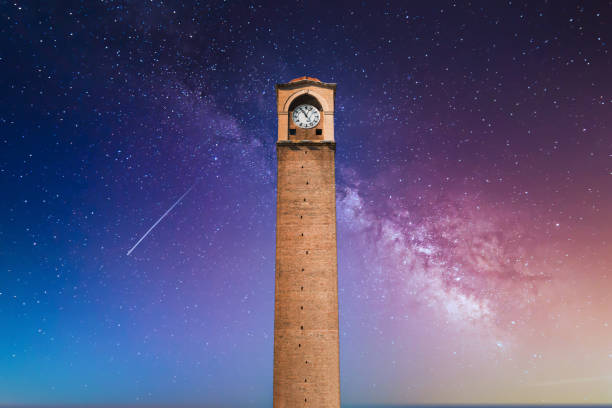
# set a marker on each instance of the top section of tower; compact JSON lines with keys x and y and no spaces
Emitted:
{"x":305,"y":108}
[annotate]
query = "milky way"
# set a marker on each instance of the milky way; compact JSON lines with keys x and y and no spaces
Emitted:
{"x":473,"y":182}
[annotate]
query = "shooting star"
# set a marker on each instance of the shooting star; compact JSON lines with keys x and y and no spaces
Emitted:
{"x":162,"y":217}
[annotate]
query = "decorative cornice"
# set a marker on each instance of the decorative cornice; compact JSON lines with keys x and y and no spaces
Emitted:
{"x":288,"y":143}
{"x":301,"y":83}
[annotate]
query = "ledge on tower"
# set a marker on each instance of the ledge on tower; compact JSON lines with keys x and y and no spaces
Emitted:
{"x":305,"y":80}
{"x":312,"y":143}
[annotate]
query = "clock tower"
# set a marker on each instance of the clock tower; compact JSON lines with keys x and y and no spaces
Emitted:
{"x":306,"y":343}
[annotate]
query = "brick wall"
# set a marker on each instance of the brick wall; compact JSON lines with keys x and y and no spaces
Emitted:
{"x":306,"y":357}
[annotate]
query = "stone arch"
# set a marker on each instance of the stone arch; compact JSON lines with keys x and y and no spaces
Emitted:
{"x":321,"y":100}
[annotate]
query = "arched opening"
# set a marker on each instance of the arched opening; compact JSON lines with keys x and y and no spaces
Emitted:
{"x":297,"y":130}
{"x":305,"y":99}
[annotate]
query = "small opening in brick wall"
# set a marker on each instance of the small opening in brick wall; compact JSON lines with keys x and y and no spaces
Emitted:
{"x":302,"y":166}
{"x":319,"y":131}
{"x":304,"y":199}
{"x":299,"y":345}
{"x":306,"y":252}
{"x":292,"y":131}
{"x":301,"y":307}
{"x":305,"y":380}
{"x":302,"y":288}
{"x":306,"y":361}
{"x":305,"y":152}
{"x":302,"y":269}
{"x":307,"y":183}
{"x":304,"y":399}
{"x":301,"y":327}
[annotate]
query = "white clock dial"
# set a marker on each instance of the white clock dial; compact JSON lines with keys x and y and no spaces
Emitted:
{"x":306,"y":116}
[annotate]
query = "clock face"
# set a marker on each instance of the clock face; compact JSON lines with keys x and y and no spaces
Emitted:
{"x":306,"y":116}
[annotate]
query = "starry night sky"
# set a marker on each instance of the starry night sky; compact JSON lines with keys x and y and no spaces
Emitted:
{"x":474,"y":198}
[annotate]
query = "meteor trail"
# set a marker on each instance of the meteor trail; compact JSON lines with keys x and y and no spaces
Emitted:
{"x":162,"y":217}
